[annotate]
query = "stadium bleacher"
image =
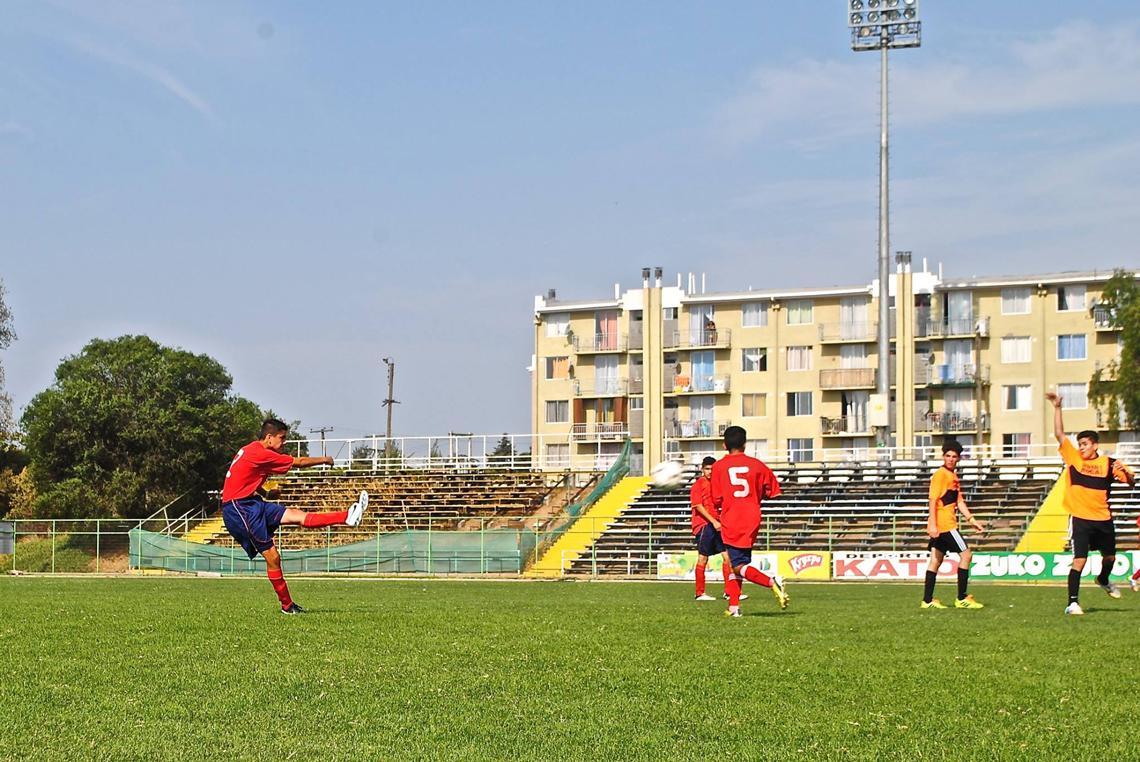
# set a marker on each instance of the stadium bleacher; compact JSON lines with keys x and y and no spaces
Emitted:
{"x":853,"y":507}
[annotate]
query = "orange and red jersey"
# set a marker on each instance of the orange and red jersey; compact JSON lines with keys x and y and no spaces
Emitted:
{"x":945,"y":489}
{"x":1087,"y":483}
{"x":250,"y":468}
{"x":701,"y":494}
{"x":739,"y":485}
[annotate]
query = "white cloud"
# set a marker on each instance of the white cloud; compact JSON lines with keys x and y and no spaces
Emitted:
{"x":814,"y":103}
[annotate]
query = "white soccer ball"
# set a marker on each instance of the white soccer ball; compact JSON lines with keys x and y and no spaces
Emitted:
{"x":668,"y":474}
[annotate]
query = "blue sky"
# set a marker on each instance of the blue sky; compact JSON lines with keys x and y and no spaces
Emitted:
{"x":299,"y":189}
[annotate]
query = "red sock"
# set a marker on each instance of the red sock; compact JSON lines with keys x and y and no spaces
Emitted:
{"x":732,"y":587}
{"x":324,"y":519}
{"x":752,"y":574}
{"x":726,"y":570}
{"x":700,"y":579}
{"x":277,"y":579}
{"x":1136,"y":575}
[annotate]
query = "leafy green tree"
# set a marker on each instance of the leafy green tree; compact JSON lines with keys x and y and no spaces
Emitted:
{"x":128,"y":425}
{"x":1115,"y":388}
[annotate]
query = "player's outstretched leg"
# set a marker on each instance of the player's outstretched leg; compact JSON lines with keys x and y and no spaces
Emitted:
{"x":774,"y":582}
{"x":1102,"y":579}
{"x":1134,"y":581}
{"x":351,"y":517}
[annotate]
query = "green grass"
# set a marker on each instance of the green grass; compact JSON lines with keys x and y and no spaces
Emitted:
{"x":207,"y":669}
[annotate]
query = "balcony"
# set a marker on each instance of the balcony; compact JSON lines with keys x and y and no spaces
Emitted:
{"x":953,"y":328}
{"x":599,"y":343}
{"x":957,"y":375}
{"x":949,"y":423}
{"x":708,"y":338}
{"x":599,"y":432}
{"x":845,"y":426}
{"x":847,"y":378}
{"x":681,"y":384}
{"x":602,"y":387}
{"x":841,"y":333}
{"x":703,"y":429}
{"x":1104,"y":319}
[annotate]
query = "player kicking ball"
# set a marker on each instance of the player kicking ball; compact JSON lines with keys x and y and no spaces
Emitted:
{"x":252,"y":521}
{"x":739,"y":485}
{"x":945,"y":503}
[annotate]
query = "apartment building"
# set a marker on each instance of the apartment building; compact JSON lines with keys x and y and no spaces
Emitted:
{"x":798,"y":367}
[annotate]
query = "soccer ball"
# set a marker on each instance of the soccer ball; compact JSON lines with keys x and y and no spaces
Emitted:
{"x":668,"y":474}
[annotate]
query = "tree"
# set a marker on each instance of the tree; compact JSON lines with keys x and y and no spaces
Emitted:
{"x":7,"y":336}
{"x":503,"y":451}
{"x":128,"y":425}
{"x":1115,"y":388}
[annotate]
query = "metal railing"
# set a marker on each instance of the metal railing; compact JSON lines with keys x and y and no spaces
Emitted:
{"x":957,"y":375}
{"x":605,"y":431}
{"x":602,"y":387}
{"x":950,"y":422}
{"x":700,"y":338}
{"x":835,"y":332}
{"x":601,"y":342}
{"x":699,"y":429}
{"x":849,"y":425}
{"x":978,"y":325}
{"x":682,"y":384}
{"x":1104,"y":319}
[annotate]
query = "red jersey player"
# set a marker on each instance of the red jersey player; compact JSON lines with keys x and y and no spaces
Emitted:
{"x":739,"y":485}
{"x":252,"y":521}
{"x":706,"y":528}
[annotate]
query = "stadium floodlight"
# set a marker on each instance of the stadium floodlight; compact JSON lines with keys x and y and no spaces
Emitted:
{"x":886,"y":24}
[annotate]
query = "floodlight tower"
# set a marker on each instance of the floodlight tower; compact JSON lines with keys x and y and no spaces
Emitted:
{"x":882,"y":25}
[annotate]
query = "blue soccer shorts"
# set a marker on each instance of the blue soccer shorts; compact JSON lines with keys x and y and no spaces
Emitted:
{"x":252,"y":522}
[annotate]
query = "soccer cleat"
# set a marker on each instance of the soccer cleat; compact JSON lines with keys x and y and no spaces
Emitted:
{"x":934,"y":604}
{"x":743,"y":596}
{"x":703,"y":597}
{"x":1074,"y":609}
{"x":1111,"y":589}
{"x":782,"y":596}
{"x":968,"y":603}
{"x":293,"y":609}
{"x":356,"y":511}
{"x":1134,"y":584}
{"x":734,"y":614}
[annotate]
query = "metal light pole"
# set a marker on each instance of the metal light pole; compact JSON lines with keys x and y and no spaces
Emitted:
{"x":389,"y":402}
{"x":881,"y":25}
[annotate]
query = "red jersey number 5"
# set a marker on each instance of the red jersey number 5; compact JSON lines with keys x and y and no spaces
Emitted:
{"x":737,"y":475}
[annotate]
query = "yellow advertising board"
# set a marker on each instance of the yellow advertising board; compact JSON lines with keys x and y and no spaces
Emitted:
{"x":789,"y":564}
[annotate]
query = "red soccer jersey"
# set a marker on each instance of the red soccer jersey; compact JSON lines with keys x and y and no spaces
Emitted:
{"x":701,"y":494}
{"x":250,"y":468}
{"x":739,"y":484}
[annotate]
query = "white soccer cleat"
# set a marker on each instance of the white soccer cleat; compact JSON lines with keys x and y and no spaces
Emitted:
{"x":734,"y":614}
{"x":356,"y":511}
{"x":704,"y":597}
{"x":1074,"y":609}
{"x":1110,"y":589}
{"x":1134,"y":584}
{"x":743,"y":596}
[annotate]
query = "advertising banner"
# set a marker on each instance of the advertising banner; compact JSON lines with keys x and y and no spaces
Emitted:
{"x":791,"y":565}
{"x":989,"y":566}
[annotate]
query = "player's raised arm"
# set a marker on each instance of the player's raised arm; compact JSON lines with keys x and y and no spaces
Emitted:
{"x":1058,"y":424}
{"x":324,"y":460}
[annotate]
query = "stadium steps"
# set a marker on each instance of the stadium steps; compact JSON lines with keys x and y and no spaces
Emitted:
{"x":591,"y":525}
{"x":206,"y":532}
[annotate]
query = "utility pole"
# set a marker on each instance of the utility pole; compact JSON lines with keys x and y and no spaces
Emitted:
{"x":322,"y":431}
{"x":389,"y":401}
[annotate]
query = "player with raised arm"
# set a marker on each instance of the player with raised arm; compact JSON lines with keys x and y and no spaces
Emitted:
{"x":252,"y":520}
{"x":1088,"y":477}
{"x":706,"y":528}
{"x":739,"y":485}
{"x":946,"y":502}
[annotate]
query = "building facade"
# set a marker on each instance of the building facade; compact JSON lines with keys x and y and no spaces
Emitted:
{"x":798,"y":367}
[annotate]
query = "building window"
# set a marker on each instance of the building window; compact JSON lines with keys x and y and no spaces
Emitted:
{"x":1070,"y":298}
{"x":558,"y":411}
{"x":800,"y":451}
{"x":636,"y":403}
{"x":754,"y":405}
{"x":799,"y":358}
{"x":557,"y":368}
{"x":669,"y":313}
{"x":754,"y":315}
{"x":799,"y":403}
{"x":1071,"y":346}
{"x":1016,"y":397}
{"x":558,"y":456}
{"x":1015,"y":301}
{"x":1015,"y":445}
{"x":1075,"y":396}
{"x":557,"y":324}
{"x":1015,"y":349}
{"x":799,"y":312}
{"x":755,"y":360}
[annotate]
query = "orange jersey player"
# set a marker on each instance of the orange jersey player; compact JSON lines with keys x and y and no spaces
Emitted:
{"x":945,"y":498}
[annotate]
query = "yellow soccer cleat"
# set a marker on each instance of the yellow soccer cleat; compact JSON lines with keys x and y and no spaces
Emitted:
{"x":934,"y":604}
{"x":779,"y":592}
{"x":968,"y":603}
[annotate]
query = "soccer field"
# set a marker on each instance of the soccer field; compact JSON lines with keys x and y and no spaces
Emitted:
{"x":207,"y":669}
